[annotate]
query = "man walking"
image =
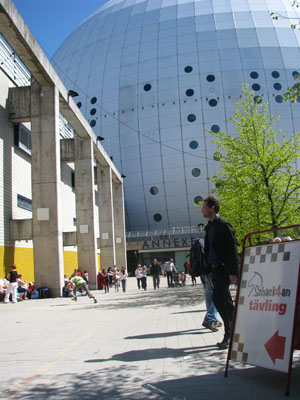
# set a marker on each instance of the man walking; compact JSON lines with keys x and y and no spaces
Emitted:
{"x":155,"y":272}
{"x":79,"y":283}
{"x":169,"y":269}
{"x":220,"y":251}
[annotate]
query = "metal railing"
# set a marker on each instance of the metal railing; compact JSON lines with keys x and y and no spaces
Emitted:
{"x":187,"y":231}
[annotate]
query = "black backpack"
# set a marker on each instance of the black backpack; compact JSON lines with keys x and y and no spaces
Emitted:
{"x":198,"y":263}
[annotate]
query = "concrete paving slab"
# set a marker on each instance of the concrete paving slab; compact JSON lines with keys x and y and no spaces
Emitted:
{"x":135,"y":345}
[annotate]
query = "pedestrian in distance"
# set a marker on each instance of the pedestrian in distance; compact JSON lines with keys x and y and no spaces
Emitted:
{"x":220,"y":251}
{"x":155,"y":271}
{"x":144,"y":277}
{"x":12,"y":286}
{"x":79,"y":283}
{"x":170,"y":269}
{"x":138,"y":274}
{"x":123,"y":278}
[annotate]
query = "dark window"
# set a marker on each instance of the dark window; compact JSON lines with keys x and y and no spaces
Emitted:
{"x":196,"y":172}
{"x":23,"y":202}
{"x":73,"y":179}
{"x":213,"y":102}
{"x":198,"y":199}
{"x":191,"y":118}
{"x":79,"y":104}
{"x":93,"y":111}
{"x":189,"y":92}
{"x":23,"y":138}
{"x":256,"y":87}
{"x":217,"y":156}
{"x":74,"y":221}
{"x":147,"y":87}
{"x":188,"y":69}
{"x":193,"y":144}
{"x":154,"y":190}
{"x":295,"y":73}
{"x":277,"y":86}
{"x":257,"y":99}
{"x":210,"y":78}
{"x":157,"y":217}
{"x":298,"y":99}
{"x":275,"y":74}
{"x":279,"y":99}
{"x":215,"y":128}
{"x":93,"y":123}
{"x":93,"y":100}
{"x":254,"y":75}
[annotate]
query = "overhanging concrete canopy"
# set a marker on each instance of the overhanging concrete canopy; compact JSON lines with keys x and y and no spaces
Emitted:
{"x":19,"y":37}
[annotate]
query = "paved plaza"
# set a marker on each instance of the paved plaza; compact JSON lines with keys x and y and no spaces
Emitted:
{"x":134,"y":345}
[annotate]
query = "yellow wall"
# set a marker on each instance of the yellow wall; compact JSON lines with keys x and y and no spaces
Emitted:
{"x":23,"y":259}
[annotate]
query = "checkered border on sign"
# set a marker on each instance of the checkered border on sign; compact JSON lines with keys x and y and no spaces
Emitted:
{"x":237,"y":351}
{"x":267,"y":253}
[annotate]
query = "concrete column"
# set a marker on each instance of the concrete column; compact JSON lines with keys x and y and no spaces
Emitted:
{"x":106,"y":217}
{"x":119,"y":224}
{"x":85,"y":208}
{"x":46,"y":198}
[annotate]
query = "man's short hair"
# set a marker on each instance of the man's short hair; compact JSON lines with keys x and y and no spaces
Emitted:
{"x":212,"y":201}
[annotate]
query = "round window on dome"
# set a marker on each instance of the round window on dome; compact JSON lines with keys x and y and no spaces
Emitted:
{"x":275,"y":74}
{"x":215,"y":128}
{"x":277,"y":86}
{"x":191,"y":117}
{"x":154,"y":190}
{"x":198,"y":199}
{"x":295,"y":73}
{"x":147,"y":87}
{"x":298,"y":99}
{"x":217,"y":156}
{"x":254,"y":75}
{"x":256,"y":87}
{"x":196,"y":172}
{"x":93,"y":123}
{"x":93,"y":100}
{"x":213,"y":102}
{"x":210,"y":78}
{"x":188,"y":69}
{"x":189,"y":92}
{"x":193,"y":144}
{"x":93,"y":111}
{"x":157,"y":217}
{"x":279,"y":99}
{"x":257,"y":99}
{"x":79,"y":104}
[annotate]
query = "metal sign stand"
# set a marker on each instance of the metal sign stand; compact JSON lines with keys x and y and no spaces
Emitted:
{"x":267,"y":303}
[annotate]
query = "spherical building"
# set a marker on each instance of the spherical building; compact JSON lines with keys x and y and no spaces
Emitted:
{"x":154,"y":75}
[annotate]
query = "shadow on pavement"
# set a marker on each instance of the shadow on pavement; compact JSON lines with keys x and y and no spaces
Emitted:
{"x":168,"y":334}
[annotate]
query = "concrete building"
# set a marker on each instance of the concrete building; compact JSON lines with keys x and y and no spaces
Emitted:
{"x":62,"y":197}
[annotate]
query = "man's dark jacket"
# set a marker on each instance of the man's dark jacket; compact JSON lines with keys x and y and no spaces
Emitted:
{"x":155,"y":269}
{"x":224,"y":244}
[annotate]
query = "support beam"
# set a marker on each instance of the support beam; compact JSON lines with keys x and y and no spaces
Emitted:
{"x":85,"y":208}
{"x":46,"y":197}
{"x":119,"y":224}
{"x":106,"y":216}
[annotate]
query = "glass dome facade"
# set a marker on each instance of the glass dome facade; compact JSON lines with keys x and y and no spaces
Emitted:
{"x":153,"y":75}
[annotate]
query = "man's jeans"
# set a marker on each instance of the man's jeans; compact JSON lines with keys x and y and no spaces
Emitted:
{"x":211,"y":313}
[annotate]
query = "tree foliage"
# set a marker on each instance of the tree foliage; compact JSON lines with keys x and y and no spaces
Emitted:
{"x":258,"y":183}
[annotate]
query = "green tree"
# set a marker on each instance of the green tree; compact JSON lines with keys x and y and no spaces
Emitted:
{"x":258,"y":183}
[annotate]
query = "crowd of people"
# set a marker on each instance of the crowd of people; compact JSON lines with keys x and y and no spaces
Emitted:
{"x":14,"y":288}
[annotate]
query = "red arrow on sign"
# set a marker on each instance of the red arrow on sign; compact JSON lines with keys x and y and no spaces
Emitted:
{"x":275,"y":347}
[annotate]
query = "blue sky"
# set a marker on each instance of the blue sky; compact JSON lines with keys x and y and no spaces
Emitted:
{"x":51,"y":21}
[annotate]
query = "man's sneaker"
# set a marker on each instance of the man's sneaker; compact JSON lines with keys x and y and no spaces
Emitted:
{"x":210,"y":325}
{"x":95,"y":300}
{"x":219,"y":324}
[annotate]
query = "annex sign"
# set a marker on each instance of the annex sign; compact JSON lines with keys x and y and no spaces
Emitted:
{"x":168,"y":243}
{"x":266,"y":306}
